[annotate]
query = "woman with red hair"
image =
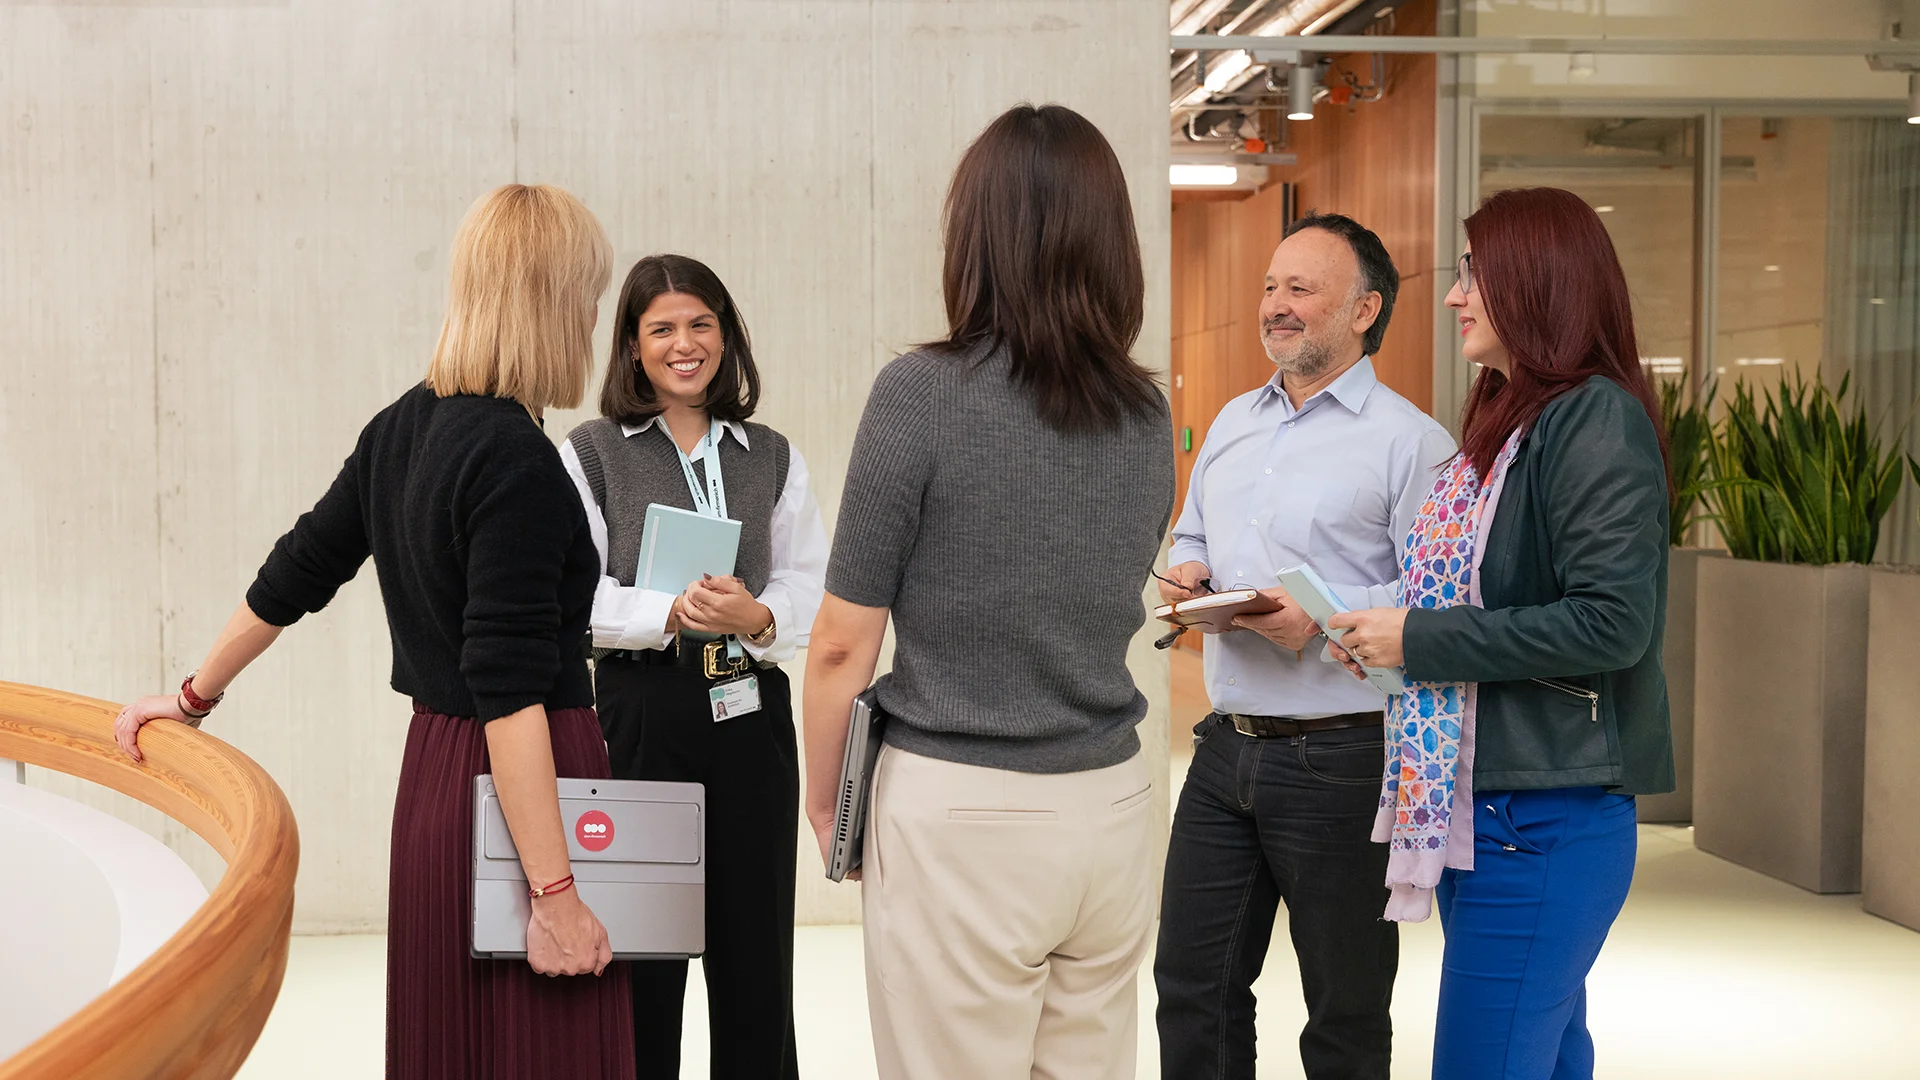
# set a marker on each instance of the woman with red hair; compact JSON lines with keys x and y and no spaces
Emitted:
{"x":1533,"y":591}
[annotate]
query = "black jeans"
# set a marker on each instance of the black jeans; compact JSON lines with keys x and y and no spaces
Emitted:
{"x":659,"y":726}
{"x":1262,"y":821}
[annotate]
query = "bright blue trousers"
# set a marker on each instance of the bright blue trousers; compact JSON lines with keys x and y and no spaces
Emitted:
{"x":1550,"y":872}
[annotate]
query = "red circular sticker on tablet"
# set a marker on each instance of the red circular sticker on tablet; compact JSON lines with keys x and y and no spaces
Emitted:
{"x":594,"y":830}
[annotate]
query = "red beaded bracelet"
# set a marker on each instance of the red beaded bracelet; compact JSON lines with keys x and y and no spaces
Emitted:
{"x":195,"y":703}
{"x":562,"y":885}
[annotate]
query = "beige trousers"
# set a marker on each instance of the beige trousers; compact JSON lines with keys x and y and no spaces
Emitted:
{"x":1006,"y":917}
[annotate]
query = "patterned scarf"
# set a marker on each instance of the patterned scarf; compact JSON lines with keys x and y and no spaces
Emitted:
{"x":1426,"y":798}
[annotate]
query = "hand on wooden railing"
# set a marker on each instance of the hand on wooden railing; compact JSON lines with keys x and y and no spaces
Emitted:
{"x":126,"y":726}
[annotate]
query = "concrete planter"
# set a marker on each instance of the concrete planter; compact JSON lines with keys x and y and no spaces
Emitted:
{"x":1683,"y":569}
{"x":1890,"y":866}
{"x":1780,"y":719}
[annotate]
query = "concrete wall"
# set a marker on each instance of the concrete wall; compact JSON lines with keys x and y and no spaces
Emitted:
{"x":224,"y":247}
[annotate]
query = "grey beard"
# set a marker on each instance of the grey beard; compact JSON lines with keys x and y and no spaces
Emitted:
{"x":1312,"y":360}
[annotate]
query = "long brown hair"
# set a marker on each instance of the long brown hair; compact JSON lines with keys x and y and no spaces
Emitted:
{"x":1042,"y":259}
{"x":1552,"y":285}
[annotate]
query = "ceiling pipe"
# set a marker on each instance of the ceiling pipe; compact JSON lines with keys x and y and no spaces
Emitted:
{"x":1200,"y":15}
{"x":1248,"y":13}
{"x":1304,"y":17}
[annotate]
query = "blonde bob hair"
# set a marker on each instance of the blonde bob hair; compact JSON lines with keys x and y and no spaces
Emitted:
{"x":529,"y":264}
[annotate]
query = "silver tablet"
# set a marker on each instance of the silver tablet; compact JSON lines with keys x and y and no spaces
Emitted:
{"x":864,"y":733}
{"x":638,"y":852}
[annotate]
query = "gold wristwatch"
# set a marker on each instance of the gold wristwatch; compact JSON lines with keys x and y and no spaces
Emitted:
{"x":765,"y":637}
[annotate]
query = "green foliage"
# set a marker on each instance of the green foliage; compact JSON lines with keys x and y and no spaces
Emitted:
{"x":1689,"y":437}
{"x":1804,"y":479}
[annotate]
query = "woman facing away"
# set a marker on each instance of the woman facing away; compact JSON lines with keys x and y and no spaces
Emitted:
{"x":688,"y":682}
{"x":487,"y":571}
{"x":1533,"y":588}
{"x":1009,"y":488}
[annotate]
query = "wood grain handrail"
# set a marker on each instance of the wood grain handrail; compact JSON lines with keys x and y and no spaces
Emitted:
{"x":194,"y":1007}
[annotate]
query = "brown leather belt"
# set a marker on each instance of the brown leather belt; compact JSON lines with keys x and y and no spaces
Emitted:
{"x":1278,"y":727}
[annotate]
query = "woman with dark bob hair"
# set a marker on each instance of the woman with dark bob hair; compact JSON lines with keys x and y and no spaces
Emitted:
{"x":688,"y":679}
{"x":1534,"y":599}
{"x":1009,"y":488}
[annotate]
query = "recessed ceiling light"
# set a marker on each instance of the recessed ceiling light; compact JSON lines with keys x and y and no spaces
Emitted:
{"x":1603,"y":209}
{"x":1771,"y":269}
{"x":1877,"y":300}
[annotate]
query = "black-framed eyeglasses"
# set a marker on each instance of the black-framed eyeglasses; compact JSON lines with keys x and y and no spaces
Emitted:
{"x":1463,"y":273}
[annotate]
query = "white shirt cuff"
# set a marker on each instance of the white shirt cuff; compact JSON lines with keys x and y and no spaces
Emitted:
{"x":630,"y":618}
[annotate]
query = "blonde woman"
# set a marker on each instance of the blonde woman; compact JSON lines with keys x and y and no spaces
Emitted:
{"x":488,"y":571}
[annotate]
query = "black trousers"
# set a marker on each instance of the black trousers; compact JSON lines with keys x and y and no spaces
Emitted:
{"x":659,"y":726}
{"x":1262,"y":821}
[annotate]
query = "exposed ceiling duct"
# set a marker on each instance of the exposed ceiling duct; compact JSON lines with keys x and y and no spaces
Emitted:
{"x":1196,"y":79}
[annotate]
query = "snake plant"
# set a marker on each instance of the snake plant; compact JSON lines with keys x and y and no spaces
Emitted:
{"x":1689,"y":435}
{"x":1800,"y":476}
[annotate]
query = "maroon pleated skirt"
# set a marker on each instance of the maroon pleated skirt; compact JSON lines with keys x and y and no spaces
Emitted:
{"x":449,"y":1016}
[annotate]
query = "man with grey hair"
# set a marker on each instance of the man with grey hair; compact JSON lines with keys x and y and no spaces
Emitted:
{"x":1321,"y":465}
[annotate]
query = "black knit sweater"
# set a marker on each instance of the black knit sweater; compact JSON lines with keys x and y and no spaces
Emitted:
{"x":482,"y":550}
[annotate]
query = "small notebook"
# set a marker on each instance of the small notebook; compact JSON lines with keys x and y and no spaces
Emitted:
{"x":1318,"y":601}
{"x":1214,"y":613}
{"x":679,"y":545}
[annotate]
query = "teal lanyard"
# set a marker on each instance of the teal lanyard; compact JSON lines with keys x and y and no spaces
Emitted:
{"x":711,"y":502}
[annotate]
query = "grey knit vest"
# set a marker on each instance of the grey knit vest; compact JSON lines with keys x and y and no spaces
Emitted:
{"x":627,"y":473}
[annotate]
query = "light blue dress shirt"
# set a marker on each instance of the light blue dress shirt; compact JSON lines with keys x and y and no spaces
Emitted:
{"x":1336,"y":484}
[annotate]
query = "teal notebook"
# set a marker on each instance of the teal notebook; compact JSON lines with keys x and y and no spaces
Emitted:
{"x":677,"y":546}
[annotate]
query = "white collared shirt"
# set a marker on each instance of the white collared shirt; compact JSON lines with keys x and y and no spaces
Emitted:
{"x":629,"y":617}
{"x":1336,"y":484}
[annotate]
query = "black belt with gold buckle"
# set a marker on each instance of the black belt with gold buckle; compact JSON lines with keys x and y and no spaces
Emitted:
{"x":710,"y":659}
{"x":1282,"y":727}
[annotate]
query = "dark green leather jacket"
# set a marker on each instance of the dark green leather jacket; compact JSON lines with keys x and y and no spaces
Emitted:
{"x":1567,"y":649}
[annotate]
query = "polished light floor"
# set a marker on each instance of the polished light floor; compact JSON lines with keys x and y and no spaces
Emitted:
{"x":1712,"y":971}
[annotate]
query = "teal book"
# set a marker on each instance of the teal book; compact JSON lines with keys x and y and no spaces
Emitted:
{"x":677,"y":546}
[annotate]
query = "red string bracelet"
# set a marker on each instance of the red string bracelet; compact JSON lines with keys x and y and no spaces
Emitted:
{"x":562,"y":885}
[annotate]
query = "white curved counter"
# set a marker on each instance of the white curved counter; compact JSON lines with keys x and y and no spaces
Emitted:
{"x":86,"y":897}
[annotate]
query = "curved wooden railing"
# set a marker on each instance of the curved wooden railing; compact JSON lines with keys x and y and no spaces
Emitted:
{"x":195,"y":1007}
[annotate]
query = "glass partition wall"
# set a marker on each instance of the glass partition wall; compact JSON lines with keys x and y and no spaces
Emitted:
{"x":1758,"y":245}
{"x":1640,"y":173}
